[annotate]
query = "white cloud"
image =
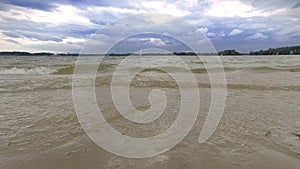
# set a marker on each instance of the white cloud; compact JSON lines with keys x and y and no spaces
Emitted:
{"x":161,"y":7}
{"x":236,"y":8}
{"x":115,"y":11}
{"x":153,"y":41}
{"x":210,"y":34}
{"x":222,"y":34}
{"x":202,"y":30}
{"x":187,"y":3}
{"x":235,"y":32}
{"x":63,"y":14}
{"x":257,"y":36}
{"x":73,"y":40}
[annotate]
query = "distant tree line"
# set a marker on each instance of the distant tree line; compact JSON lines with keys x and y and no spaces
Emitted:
{"x":292,"y":50}
{"x":36,"y":54}
{"x":25,"y":54}
{"x":184,"y":53}
{"x":229,"y":52}
{"x":118,"y":54}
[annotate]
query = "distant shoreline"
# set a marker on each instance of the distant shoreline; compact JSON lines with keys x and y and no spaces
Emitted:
{"x":291,"y":50}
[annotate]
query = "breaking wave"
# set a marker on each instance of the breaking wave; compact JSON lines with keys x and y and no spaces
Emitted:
{"x":27,"y":71}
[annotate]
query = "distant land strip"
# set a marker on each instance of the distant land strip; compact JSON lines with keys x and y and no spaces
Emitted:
{"x":290,"y":50}
{"x":16,"y":53}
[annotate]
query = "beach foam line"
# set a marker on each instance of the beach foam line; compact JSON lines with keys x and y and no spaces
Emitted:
{"x":26,"y":71}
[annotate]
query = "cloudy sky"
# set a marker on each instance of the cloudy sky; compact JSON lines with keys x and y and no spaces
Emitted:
{"x":65,"y":25}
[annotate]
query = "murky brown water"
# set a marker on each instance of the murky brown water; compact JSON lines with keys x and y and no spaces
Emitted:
{"x":39,"y":127}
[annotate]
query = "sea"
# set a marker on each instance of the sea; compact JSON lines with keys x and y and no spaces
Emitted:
{"x":259,"y":128}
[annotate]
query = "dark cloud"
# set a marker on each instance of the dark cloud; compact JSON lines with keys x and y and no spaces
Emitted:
{"x":23,"y":28}
{"x":52,"y":4}
{"x":42,"y":37}
{"x":34,"y":4}
{"x":12,"y":34}
{"x":86,"y":3}
{"x":4,"y":7}
{"x":73,"y":30}
{"x":12,"y":41}
{"x":270,"y":5}
{"x":31,"y":35}
{"x":98,"y":21}
{"x":297,"y":5}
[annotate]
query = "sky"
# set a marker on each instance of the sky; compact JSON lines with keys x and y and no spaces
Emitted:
{"x":64,"y":26}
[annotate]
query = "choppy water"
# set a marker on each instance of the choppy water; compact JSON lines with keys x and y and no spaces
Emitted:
{"x":262,"y":110}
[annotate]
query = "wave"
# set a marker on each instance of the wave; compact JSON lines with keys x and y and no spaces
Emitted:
{"x":143,"y":82}
{"x":259,"y":69}
{"x":110,"y":67}
{"x":262,"y":87}
{"x":27,"y":71}
{"x":270,"y":68}
{"x":70,"y":69}
{"x":65,"y":70}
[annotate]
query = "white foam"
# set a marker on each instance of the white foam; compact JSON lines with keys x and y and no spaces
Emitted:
{"x":26,"y":71}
